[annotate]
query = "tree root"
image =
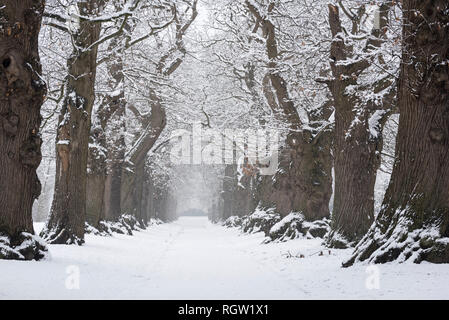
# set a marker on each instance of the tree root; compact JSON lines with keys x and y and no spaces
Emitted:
{"x":403,"y":242}
{"x":60,"y":235}
{"x":24,"y":246}
{"x":102,"y":229}
{"x":126,"y":224}
{"x":336,"y":240}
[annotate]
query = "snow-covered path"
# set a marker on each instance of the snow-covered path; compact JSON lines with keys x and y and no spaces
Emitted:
{"x":193,"y":259}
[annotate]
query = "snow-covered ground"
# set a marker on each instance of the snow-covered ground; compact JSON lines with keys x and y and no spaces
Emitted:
{"x":193,"y":259}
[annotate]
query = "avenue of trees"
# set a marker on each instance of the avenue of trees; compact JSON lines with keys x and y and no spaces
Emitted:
{"x":92,"y":90}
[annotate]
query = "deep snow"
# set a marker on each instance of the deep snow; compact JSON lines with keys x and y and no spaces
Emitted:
{"x":194,"y":259}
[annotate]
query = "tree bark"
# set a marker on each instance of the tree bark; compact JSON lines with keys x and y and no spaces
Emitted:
{"x":147,"y":197}
{"x":305,"y":182}
{"x":132,"y":178}
{"x":22,"y":92}
{"x":96,"y":175}
{"x":113,"y":183}
{"x":228,"y":189}
{"x":68,"y":213}
{"x":239,"y":193}
{"x":414,"y":220}
{"x":104,"y":183}
{"x":357,"y":152}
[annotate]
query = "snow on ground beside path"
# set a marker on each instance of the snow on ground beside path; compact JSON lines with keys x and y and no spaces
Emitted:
{"x":194,"y":259}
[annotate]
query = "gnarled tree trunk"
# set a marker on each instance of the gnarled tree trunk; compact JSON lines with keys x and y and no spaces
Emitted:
{"x":357,"y":151}
{"x":96,"y":175}
{"x":107,"y":154}
{"x":238,"y":191}
{"x":68,"y":213}
{"x":132,"y":178}
{"x":414,"y":220}
{"x":22,"y":92}
{"x":304,"y":183}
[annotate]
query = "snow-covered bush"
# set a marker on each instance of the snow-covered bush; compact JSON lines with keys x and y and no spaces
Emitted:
{"x":261,"y":220}
{"x":130,"y":223}
{"x":103,"y":229}
{"x":155,"y":222}
{"x":25,"y":246}
{"x":338,"y":241}
{"x":294,"y":226}
{"x":290,"y":227}
{"x":233,"y":222}
{"x":125,"y":225}
{"x":318,"y":228}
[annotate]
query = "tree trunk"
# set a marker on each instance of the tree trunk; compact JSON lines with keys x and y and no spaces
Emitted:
{"x":414,"y":220}
{"x":304,"y":183}
{"x":147,"y":198}
{"x":113,"y":184}
{"x":96,"y":174}
{"x":226,"y":194}
{"x":68,"y":214}
{"x":111,"y":142}
{"x":357,"y":152}
{"x":357,"y":158}
{"x":151,"y":210}
{"x":135,"y":204}
{"x":22,"y":93}
{"x":132,"y":178}
{"x":132,"y":183}
{"x":159,"y":204}
{"x":111,"y":115}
